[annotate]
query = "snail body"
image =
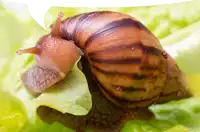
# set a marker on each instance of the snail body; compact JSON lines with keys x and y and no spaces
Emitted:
{"x":127,"y":61}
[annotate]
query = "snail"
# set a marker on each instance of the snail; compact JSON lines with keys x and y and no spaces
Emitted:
{"x":130,"y":68}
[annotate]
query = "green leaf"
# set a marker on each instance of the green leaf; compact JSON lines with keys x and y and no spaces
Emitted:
{"x":139,"y":126}
{"x":178,"y":128}
{"x":69,"y":96}
{"x":12,"y":115}
{"x":186,"y":51}
{"x":12,"y":31}
{"x":180,"y":35}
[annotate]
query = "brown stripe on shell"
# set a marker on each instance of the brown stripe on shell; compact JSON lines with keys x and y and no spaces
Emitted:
{"x":76,"y":21}
{"x":152,"y":50}
{"x":135,"y":76}
{"x":65,"y":33}
{"x":105,"y":67}
{"x":70,"y":19}
{"x":124,"y":101}
{"x":128,"y":89}
{"x":122,"y":68}
{"x":147,"y":67}
{"x":117,"y":91}
{"x":118,"y":61}
{"x":168,"y":94}
{"x":127,"y":22}
{"x":115,"y":48}
{"x":129,"y":104}
{"x":108,"y":80}
{"x":137,"y":103}
{"x":84,"y":18}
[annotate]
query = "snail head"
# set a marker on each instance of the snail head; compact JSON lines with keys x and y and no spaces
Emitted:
{"x":54,"y":58}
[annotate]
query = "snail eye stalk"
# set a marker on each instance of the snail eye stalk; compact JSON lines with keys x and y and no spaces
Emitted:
{"x":32,"y":50}
{"x":56,"y":27}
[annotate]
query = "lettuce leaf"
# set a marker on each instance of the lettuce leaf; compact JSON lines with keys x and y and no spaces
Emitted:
{"x":164,"y":20}
{"x":178,"y":128}
{"x":70,"y":96}
{"x":12,"y":116}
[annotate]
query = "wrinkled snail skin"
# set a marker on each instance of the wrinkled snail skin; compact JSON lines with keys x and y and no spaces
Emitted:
{"x":52,"y":63}
{"x":127,"y":60}
{"x":129,"y":68}
{"x":38,"y":78}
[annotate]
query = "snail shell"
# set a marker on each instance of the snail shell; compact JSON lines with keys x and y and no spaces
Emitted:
{"x":125,"y":57}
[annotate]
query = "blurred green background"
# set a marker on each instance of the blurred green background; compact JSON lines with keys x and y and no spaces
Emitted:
{"x":176,"y":25}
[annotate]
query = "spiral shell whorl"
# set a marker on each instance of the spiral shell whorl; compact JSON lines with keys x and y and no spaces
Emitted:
{"x":125,"y":58}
